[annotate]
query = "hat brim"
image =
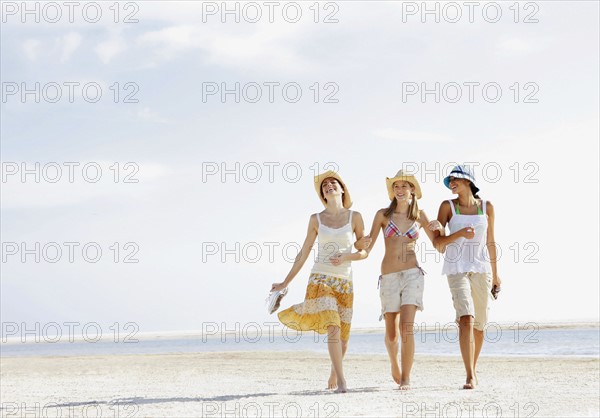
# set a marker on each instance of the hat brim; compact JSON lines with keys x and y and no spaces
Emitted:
{"x":474,"y":189}
{"x":410,"y":179}
{"x":346,"y":199}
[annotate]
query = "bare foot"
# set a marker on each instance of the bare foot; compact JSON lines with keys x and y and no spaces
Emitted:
{"x":341,"y":387}
{"x":332,"y":382}
{"x":470,"y":384}
{"x":404,"y":385}
{"x":396,"y":374}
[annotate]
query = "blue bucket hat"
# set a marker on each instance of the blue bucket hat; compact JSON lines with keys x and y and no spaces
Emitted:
{"x":462,"y":172}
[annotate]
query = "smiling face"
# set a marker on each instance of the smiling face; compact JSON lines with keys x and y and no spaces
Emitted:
{"x":402,"y":190}
{"x":459,"y":185}
{"x":330,"y":187}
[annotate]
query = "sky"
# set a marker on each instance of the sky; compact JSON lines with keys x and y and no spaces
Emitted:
{"x":176,"y":187}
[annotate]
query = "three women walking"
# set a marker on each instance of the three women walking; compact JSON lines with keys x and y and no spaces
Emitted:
{"x":470,"y":265}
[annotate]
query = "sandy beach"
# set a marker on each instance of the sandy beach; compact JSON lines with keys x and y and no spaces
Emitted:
{"x":291,"y":384}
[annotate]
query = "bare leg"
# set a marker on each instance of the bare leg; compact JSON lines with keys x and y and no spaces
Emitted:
{"x":478,"y":344}
{"x":334,"y":344}
{"x":332,"y":383}
{"x":407,"y":320}
{"x":392,"y":320}
{"x":467,"y":348}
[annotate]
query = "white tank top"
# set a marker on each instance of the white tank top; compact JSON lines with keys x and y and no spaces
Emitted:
{"x":467,"y":255}
{"x":331,"y":241}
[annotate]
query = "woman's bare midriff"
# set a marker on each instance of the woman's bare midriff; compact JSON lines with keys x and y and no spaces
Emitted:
{"x":399,"y":255}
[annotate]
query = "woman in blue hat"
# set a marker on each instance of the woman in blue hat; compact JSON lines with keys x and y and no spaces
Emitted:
{"x":469,"y":262}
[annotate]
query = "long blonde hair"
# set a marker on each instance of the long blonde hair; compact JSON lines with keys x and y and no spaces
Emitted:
{"x":413,"y":208}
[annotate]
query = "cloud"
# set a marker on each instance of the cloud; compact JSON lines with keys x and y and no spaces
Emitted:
{"x":176,"y":37}
{"x":247,"y":47}
{"x":151,"y":116}
{"x":109,"y":49}
{"x":69,"y":43}
{"x":31,"y":48}
{"x":412,"y":136}
{"x":64,"y":47}
{"x":46,"y":193}
{"x":516,"y":45}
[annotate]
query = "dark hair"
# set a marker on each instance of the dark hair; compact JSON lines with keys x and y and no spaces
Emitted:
{"x":413,"y":208}
{"x":338,"y":182}
{"x":475,"y":193}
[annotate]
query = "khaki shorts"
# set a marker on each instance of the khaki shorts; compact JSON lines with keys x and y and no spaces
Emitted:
{"x":470,"y":294}
{"x":401,"y":288}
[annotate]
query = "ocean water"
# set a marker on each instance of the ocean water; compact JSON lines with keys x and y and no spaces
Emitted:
{"x":576,"y":342}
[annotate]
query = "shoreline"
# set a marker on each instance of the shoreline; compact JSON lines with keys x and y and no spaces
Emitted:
{"x":313,"y":353}
{"x":195,"y":334}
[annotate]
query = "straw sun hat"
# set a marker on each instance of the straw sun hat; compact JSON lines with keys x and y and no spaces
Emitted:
{"x":401,"y":176}
{"x":346,"y":199}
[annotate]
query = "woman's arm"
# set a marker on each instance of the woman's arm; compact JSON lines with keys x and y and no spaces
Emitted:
{"x":359,"y":231}
{"x":440,"y":242}
{"x":368,"y":241}
{"x":430,"y":227}
{"x":309,"y":241}
{"x":375,"y":229}
{"x":491,"y":243}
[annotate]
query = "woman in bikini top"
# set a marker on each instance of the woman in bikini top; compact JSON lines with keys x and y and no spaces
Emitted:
{"x":392,"y":230}
{"x":400,"y":224}
{"x":401,"y":277}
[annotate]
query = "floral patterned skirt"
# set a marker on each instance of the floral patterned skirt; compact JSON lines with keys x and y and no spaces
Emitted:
{"x":328,"y":301}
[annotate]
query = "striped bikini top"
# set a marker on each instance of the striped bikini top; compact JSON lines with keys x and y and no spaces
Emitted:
{"x":392,"y":230}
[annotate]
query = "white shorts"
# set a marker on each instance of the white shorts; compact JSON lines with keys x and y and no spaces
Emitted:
{"x":401,"y":288}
